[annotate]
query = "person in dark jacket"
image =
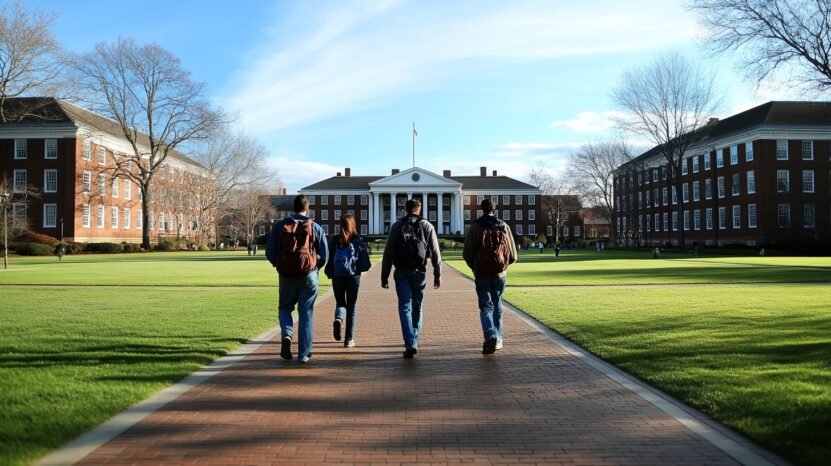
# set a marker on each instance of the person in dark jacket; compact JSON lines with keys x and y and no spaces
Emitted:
{"x":349,"y":259}
{"x":297,"y":291}
{"x":410,"y":277}
{"x":489,"y":287}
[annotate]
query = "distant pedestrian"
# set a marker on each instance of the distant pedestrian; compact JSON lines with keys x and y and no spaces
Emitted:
{"x":557,"y":250}
{"x":59,"y":251}
{"x":656,"y":253}
{"x":489,"y":250}
{"x":350,"y":258}
{"x":411,"y":243}
{"x":542,"y":247}
{"x":297,"y":249}
{"x":254,"y":249}
{"x":250,"y":248}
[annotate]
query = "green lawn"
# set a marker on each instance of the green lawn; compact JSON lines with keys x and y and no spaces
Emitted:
{"x":756,"y":356}
{"x":231,"y":268}
{"x":73,"y":356}
{"x":639,"y":268}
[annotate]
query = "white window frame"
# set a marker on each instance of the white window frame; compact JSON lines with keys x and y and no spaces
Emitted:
{"x":50,"y":172}
{"x":685,"y":192}
{"x":786,"y":210}
{"x":324,"y":200}
{"x":696,"y":191}
{"x":19,"y":182}
{"x":722,"y":218}
{"x":87,"y":149}
{"x":125,"y":222}
{"x":748,"y":151}
{"x":364,"y":199}
{"x":99,"y":220}
{"x":364,"y":214}
{"x":751,"y":182}
{"x":695,"y":164}
{"x":324,"y":215}
{"x":506,"y":199}
{"x":467,"y":200}
{"x":697,"y":219}
{"x":708,"y":218}
{"x":506,"y":214}
{"x":721,"y":191}
{"x":50,"y":144}
{"x":21,"y":149}
{"x":518,"y":199}
{"x":808,"y":185}
{"x":102,"y":155}
{"x":686,"y":220}
{"x":734,"y":155}
{"x":114,"y":187}
{"x":736,"y":188}
{"x":128,"y":189}
{"x":467,"y":215}
{"x":350,"y":199}
{"x":518,"y":214}
{"x":86,"y":182}
{"x":737,"y":217}
{"x":781,"y":149}
{"x":532,"y":199}
{"x":338,"y":199}
{"x":532,"y":215}
{"x":114,"y":213}
{"x":312,"y":200}
{"x":519,"y":229}
{"x":719,"y":158}
{"x":532,"y":229}
{"x":46,"y":208}
{"x":85,"y":215}
{"x":783,"y":184}
{"x":752,"y":220}
{"x":809,"y":154}
{"x":708,"y":164}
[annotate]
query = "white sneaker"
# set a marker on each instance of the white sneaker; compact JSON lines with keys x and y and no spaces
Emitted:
{"x":498,"y":344}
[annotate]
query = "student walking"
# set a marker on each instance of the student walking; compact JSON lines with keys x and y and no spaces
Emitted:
{"x":350,"y":258}
{"x":489,"y":250}
{"x":297,"y":248}
{"x":411,"y":243}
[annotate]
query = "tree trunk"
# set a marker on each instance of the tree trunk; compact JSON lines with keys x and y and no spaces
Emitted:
{"x":145,"y":214}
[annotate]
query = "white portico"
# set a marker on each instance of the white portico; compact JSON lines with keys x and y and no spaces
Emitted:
{"x":441,"y":200}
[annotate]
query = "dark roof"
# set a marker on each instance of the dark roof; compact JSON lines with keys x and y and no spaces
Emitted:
{"x":37,"y":111}
{"x":283,"y":202}
{"x":344,"y":182}
{"x":491,"y":182}
{"x":801,"y":113}
{"x":337,"y":183}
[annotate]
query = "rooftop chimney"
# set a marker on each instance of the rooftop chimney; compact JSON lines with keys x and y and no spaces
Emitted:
{"x":347,"y":171}
{"x":483,"y":171}
{"x":395,"y":171}
{"x":494,"y":173}
{"x":284,"y":191}
{"x":338,"y":174}
{"x":712,"y":121}
{"x":446,"y":174}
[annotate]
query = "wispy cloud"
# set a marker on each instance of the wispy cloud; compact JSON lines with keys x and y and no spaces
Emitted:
{"x":592,"y":122}
{"x":362,"y":52}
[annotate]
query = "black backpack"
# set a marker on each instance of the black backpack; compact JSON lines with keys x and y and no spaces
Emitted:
{"x":412,"y":246}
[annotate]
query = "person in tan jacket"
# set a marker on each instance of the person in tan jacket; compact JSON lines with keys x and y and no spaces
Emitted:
{"x":489,"y":250}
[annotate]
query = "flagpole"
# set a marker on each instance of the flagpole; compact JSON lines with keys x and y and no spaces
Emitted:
{"x":414,"y":138}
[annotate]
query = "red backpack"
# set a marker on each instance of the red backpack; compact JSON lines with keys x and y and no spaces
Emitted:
{"x":494,"y":252}
{"x":295,"y":255}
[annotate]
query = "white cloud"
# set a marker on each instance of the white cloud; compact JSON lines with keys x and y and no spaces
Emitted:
{"x":592,"y":122}
{"x":296,"y":173}
{"x":357,"y":54}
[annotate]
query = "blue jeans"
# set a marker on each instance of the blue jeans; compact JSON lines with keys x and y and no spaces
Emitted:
{"x":346,"y":296}
{"x":300,"y":292}
{"x":409,"y":286}
{"x":489,"y":289}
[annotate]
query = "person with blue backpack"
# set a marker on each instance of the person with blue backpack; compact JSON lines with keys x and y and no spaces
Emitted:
{"x":350,"y":258}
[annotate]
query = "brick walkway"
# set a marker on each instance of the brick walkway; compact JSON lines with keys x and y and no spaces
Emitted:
{"x":531,"y":403}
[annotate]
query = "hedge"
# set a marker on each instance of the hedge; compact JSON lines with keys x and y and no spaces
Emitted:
{"x":34,"y":249}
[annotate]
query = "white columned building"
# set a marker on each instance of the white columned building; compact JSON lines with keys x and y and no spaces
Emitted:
{"x":448,"y":202}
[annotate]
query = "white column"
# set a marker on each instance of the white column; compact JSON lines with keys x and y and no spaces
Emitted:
{"x":424,"y":197}
{"x":393,"y":207}
{"x":457,"y":207}
{"x":439,"y":223}
{"x":376,"y":212}
{"x":409,"y":196}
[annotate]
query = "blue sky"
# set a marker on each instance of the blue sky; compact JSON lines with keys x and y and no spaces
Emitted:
{"x":332,"y":84}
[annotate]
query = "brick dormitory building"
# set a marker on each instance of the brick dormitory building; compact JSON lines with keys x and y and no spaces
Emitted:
{"x":66,"y":154}
{"x":761,"y":177}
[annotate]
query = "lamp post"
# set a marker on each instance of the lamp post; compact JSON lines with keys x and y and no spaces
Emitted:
{"x":5,"y":199}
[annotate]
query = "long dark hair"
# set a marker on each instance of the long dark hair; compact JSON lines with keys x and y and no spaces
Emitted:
{"x":348,"y":230}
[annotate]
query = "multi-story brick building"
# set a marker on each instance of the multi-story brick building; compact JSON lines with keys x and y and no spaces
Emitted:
{"x":68,"y":154}
{"x":759,"y":177}
{"x":375,"y":200}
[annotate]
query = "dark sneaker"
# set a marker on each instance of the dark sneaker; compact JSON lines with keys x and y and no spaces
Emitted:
{"x":410,"y":353}
{"x":349,"y":344}
{"x":498,"y":344}
{"x":285,"y":348}
{"x":336,"y":329}
{"x":490,"y":345}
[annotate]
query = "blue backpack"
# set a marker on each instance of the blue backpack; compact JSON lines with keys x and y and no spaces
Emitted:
{"x":344,"y":261}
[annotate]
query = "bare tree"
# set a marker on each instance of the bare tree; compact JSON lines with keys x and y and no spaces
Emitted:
{"x":670,"y":102}
{"x":30,"y":60}
{"x":591,"y":171}
{"x":234,"y":161}
{"x":154,"y":102}
{"x":251,"y":206}
{"x":772,"y":34}
{"x":11,"y":225}
{"x":556,"y":195}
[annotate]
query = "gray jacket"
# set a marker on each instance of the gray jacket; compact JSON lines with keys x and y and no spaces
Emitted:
{"x":430,"y":237}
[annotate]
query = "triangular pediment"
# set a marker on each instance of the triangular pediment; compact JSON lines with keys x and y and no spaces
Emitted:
{"x":414,"y":178}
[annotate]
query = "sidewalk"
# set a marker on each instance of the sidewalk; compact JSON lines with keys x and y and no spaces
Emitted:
{"x":533,"y":402}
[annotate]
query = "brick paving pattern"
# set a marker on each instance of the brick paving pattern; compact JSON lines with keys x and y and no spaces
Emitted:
{"x":531,"y":403}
